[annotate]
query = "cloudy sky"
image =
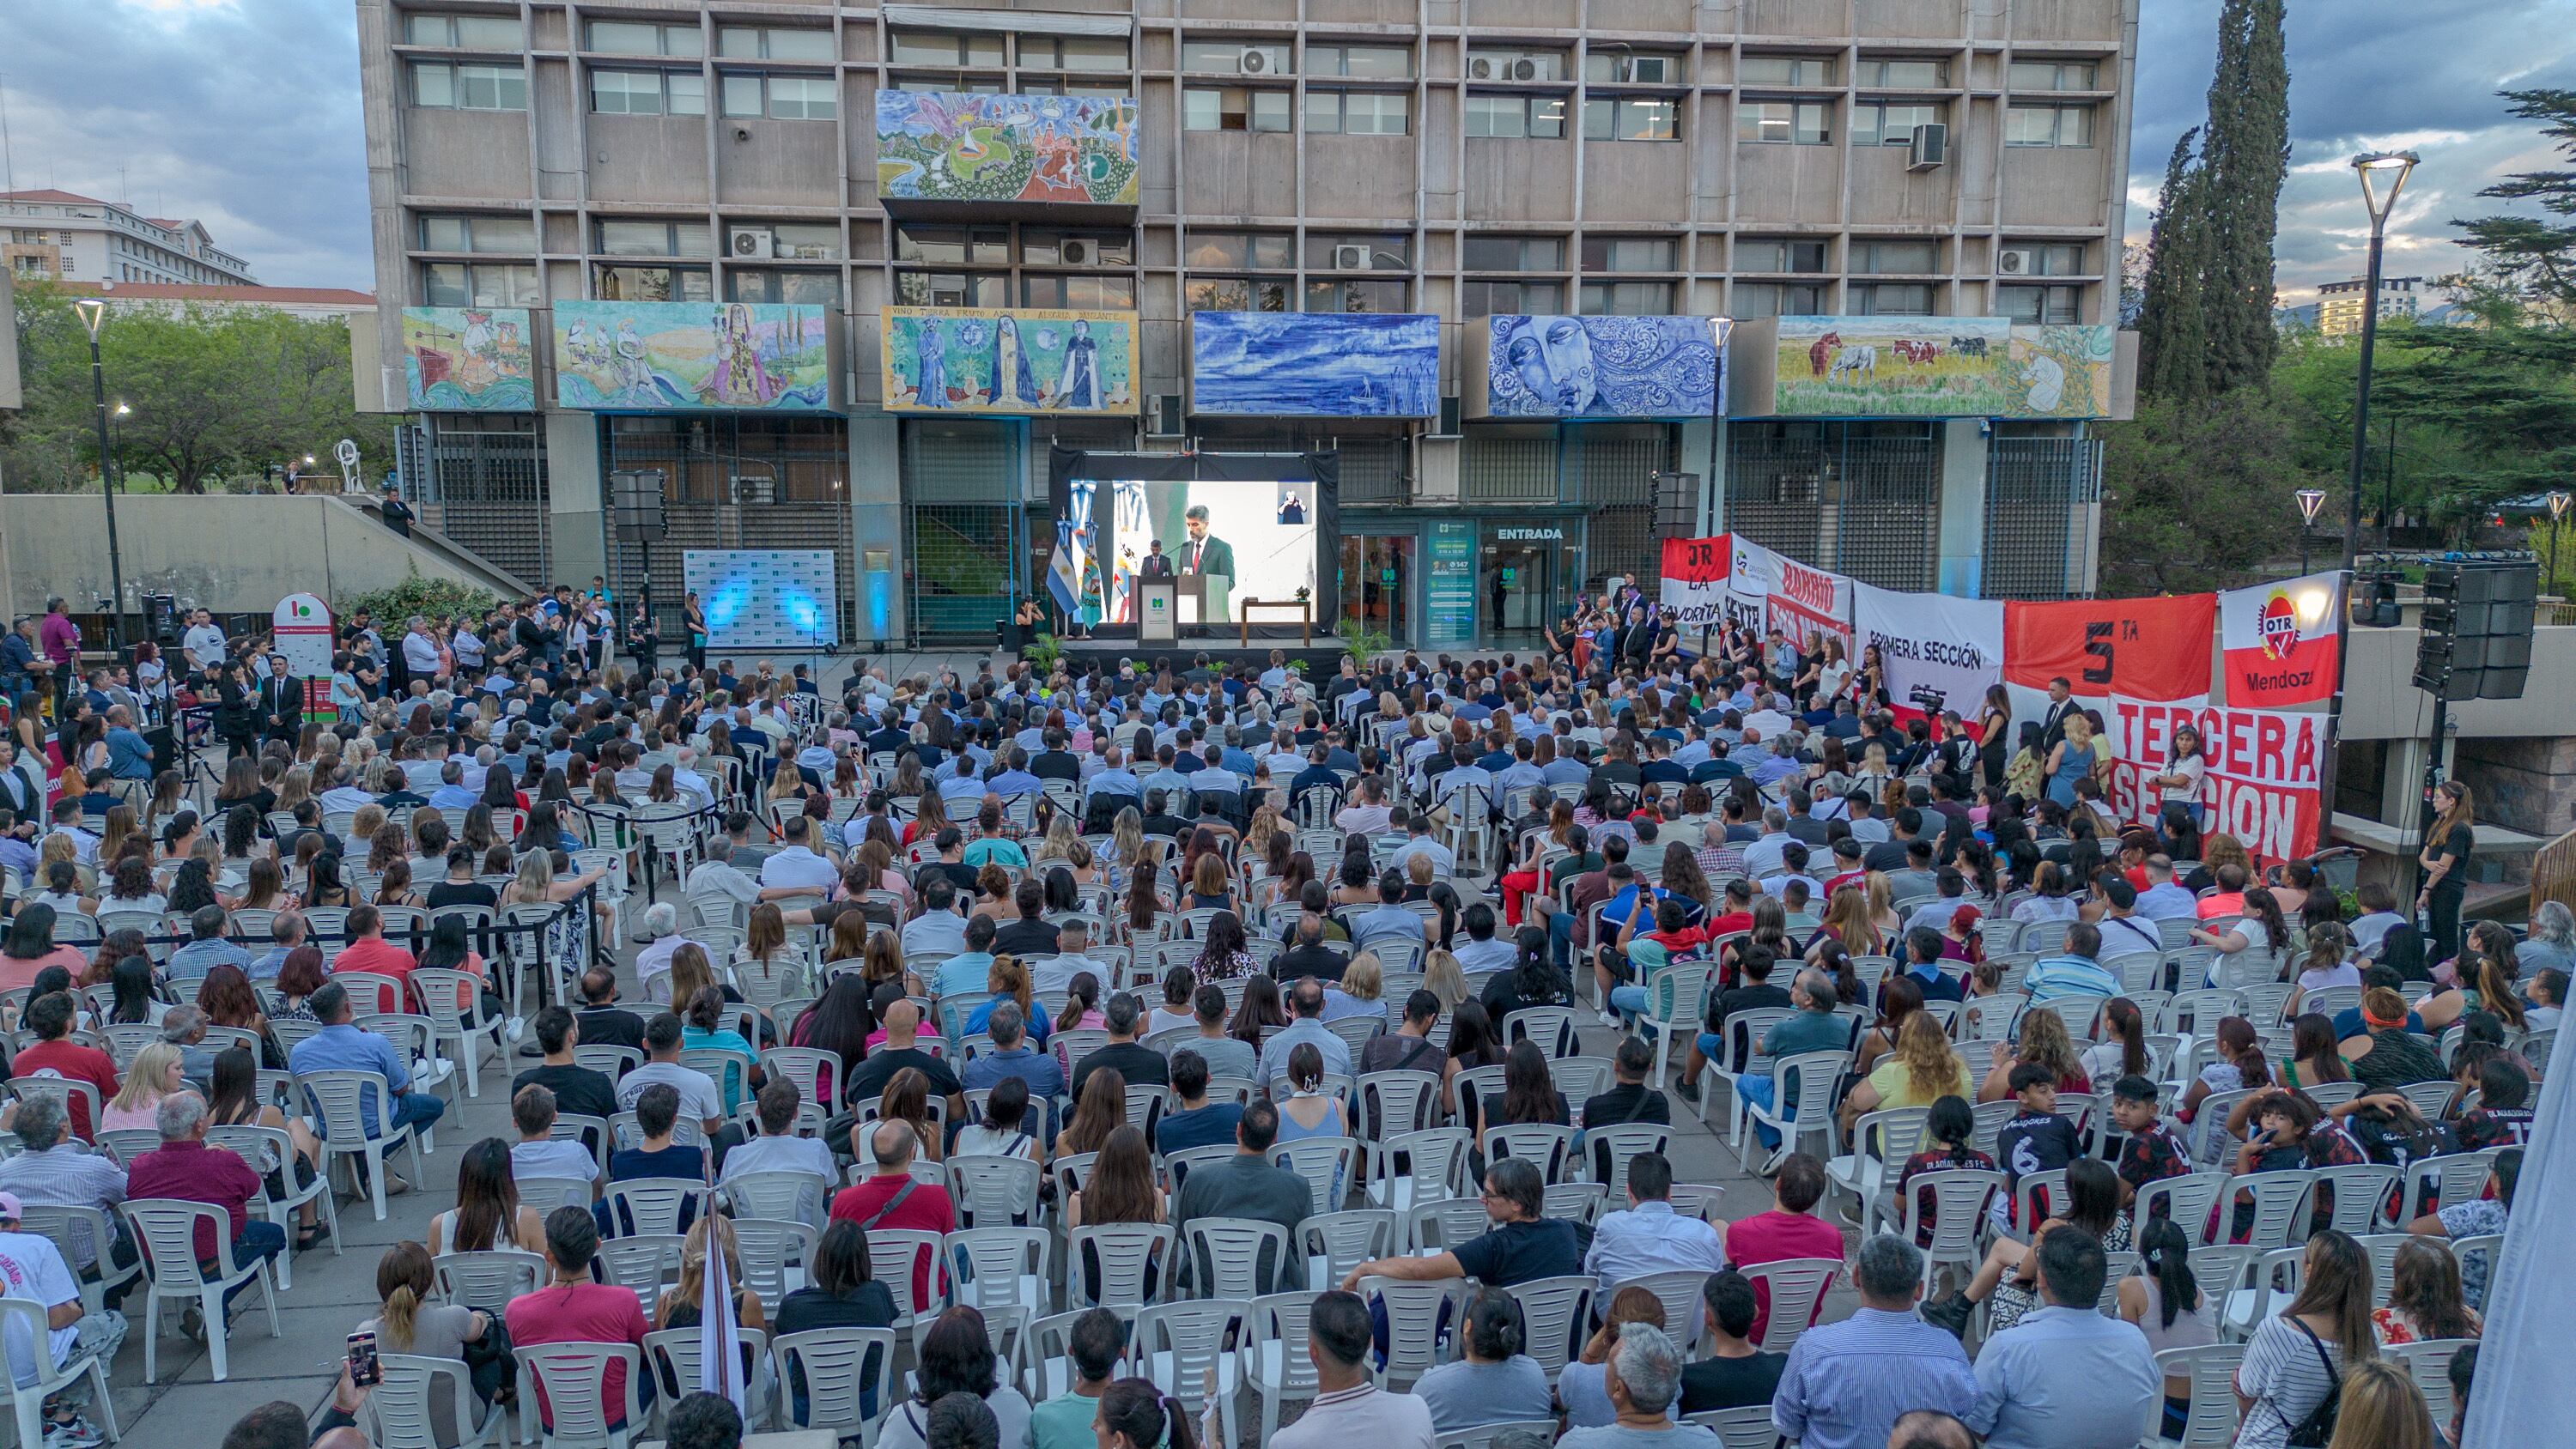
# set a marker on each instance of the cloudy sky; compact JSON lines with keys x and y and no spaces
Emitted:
{"x":244,"y":114}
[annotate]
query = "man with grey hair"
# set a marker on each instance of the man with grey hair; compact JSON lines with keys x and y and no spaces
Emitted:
{"x":1012,"y":1057}
{"x":717,"y":875}
{"x":184,"y":1027}
{"x":206,"y":948}
{"x":1643,"y":1376}
{"x":57,"y":1170}
{"x":1846,"y":1383}
{"x":1306,"y":1000}
{"x":2552,"y":943}
{"x":653,"y":963}
{"x":1813,"y":1027}
{"x":286,"y":932}
{"x":184,"y":1167}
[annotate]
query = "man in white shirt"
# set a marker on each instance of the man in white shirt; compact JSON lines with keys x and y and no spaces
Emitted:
{"x":796,"y":869}
{"x":1762,"y":856}
{"x":699,"y":1099}
{"x":1419,"y":842}
{"x":1772,"y":719}
{"x":1056,"y":973}
{"x":653,"y":962}
{"x":467,"y":646}
{"x":420,"y":650}
{"x":345,"y":796}
{"x":537,"y":1153}
{"x":1650,"y":1237}
{"x":718,"y":876}
{"x":204,"y":643}
{"x":938,"y":927}
{"x":779,"y":1149}
{"x":32,"y":1270}
{"x":1368,"y":814}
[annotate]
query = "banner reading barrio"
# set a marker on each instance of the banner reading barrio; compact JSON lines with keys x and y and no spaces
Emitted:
{"x":2279,"y":640}
{"x":1695,"y":571}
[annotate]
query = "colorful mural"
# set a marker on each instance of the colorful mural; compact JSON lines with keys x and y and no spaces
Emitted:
{"x":474,"y":359}
{"x":1603,"y":367}
{"x":2063,"y":371}
{"x":1315,"y":364}
{"x":750,"y":356}
{"x":964,"y":360}
{"x":944,"y":146}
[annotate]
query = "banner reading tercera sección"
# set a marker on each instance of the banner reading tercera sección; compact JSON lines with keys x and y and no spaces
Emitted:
{"x":2262,"y":781}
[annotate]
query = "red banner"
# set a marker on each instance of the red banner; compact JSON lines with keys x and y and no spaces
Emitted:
{"x":2279,"y":640}
{"x":2261,"y":785}
{"x":2155,"y":649}
{"x":1694,"y":587}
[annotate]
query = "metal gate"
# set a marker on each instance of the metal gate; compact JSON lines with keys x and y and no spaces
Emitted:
{"x":2036,"y":492}
{"x":480,"y":479}
{"x":966,"y":529}
{"x":1859,"y":498}
{"x":736,"y":482}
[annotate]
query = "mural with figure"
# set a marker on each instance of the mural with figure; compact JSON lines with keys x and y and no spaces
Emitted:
{"x":2062,"y":371}
{"x":944,"y":146}
{"x":749,"y":356}
{"x":477,"y":359}
{"x":1024,"y":361}
{"x":1957,"y":367}
{"x":1315,"y":364}
{"x":1600,"y":367}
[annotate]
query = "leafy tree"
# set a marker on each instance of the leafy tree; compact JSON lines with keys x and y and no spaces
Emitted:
{"x":2532,"y":260}
{"x":2173,"y":332}
{"x":2198,"y":493}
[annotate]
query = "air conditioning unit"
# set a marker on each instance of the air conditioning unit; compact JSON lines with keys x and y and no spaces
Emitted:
{"x":2017,"y":262}
{"x":1253,"y":61}
{"x":1167,"y":420}
{"x":750,"y":241}
{"x":1079,"y":252}
{"x":1349,"y":258}
{"x":1931,"y":147}
{"x":1525,"y":69}
{"x":1482,"y":67}
{"x":1651,"y":70}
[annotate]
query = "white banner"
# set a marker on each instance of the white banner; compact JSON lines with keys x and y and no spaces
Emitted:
{"x":1767,"y":590}
{"x":1940,"y":653}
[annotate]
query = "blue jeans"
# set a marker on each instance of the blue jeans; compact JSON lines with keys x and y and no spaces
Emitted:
{"x":1630,"y":1001}
{"x":417,"y":1109}
{"x":1560,"y":937}
{"x":259,"y":1241}
{"x":1713,"y":1047}
{"x":1757,"y":1090}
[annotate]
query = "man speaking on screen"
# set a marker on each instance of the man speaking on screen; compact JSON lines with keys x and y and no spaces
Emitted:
{"x":1208,"y":555}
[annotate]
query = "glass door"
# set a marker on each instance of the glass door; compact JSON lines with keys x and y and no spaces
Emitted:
{"x":1520,"y":592}
{"x":1377,"y":584}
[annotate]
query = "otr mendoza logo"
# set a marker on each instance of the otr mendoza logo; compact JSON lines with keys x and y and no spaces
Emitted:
{"x":2278,"y":626}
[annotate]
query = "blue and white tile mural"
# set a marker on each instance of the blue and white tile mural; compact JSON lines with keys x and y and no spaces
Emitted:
{"x":1603,"y":367}
{"x":1315,"y":364}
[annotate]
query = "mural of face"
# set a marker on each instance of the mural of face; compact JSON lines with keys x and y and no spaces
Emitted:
{"x":1569,"y":360}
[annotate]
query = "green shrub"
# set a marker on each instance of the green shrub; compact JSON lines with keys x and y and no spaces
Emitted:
{"x":420,"y":595}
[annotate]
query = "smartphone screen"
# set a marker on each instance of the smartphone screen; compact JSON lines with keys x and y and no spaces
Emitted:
{"x":364,"y":1370}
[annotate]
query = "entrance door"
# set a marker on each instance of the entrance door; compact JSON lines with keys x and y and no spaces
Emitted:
{"x":1519,"y":592}
{"x":1377,"y":584}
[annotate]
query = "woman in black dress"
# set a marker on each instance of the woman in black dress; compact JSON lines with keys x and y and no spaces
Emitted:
{"x":2446,"y":866}
{"x":1994,"y":733}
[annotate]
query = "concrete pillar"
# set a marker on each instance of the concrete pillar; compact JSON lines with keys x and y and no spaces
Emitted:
{"x":876,"y":529}
{"x":1703,"y":451}
{"x":1962,"y":546}
{"x":577,"y":517}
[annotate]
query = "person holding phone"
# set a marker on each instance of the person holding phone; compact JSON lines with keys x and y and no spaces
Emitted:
{"x":32,"y":1269}
{"x":411,"y":1323}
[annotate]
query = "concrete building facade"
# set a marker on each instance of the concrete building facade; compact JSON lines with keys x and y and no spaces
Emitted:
{"x":61,"y":236}
{"x":2339,"y":304}
{"x":1865,"y":162}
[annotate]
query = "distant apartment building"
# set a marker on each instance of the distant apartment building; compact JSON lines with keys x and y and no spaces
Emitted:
{"x":178,"y":296}
{"x":1839,"y":275}
{"x":61,"y":236}
{"x":2339,"y":304}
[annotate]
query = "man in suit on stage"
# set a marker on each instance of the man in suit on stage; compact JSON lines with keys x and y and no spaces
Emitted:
{"x":2052,"y":720}
{"x":1209,"y":555}
{"x":1156,"y":564}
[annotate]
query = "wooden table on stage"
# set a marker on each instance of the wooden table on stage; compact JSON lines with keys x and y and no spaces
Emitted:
{"x":1305,"y":616}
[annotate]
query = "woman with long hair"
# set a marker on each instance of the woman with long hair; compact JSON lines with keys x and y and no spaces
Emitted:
{"x":1101,"y":1111}
{"x":2167,"y":1303}
{"x":1223,"y":952}
{"x":2010,"y":1273}
{"x":1119,"y":1189}
{"x":1921,"y":1069}
{"x":1259,"y":1010}
{"x":2120,"y":1046}
{"x":29,"y":948}
{"x":957,"y":1358}
{"x":153,"y":1075}
{"x":1948,"y":1145}
{"x":2239,"y":1065}
{"x":839,"y":1023}
{"x":1528,"y":1097}
{"x":488,"y":1213}
{"x":1444,"y":978}
{"x":1899,"y":997}
{"x":1532,"y":981}
{"x":2043,"y":1040}
{"x":1135,"y":1414}
{"x":227,"y":998}
{"x":234,"y":1101}
{"x":683,"y":1305}
{"x":1847,"y":922}
{"x":764,"y":951}
{"x":2313,"y":1058}
{"x":704,"y":1027}
{"x":411,"y":1322}
{"x":2295,"y":1359}
{"x":2424,"y":1297}
{"x":2445,"y":859}
{"x":2486,"y":972}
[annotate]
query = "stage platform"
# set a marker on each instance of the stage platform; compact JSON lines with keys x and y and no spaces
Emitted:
{"x":1322,"y":658}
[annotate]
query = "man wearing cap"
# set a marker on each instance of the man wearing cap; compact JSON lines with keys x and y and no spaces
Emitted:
{"x":32,"y":1270}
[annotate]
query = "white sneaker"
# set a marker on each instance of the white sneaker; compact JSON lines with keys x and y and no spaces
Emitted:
{"x":516,"y":1027}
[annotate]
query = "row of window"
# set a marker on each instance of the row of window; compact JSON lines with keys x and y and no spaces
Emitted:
{"x":684,"y":93}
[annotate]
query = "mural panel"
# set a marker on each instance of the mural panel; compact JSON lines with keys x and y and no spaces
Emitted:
{"x":1315,"y":364}
{"x":944,"y":146}
{"x":726,"y":356}
{"x":470,"y":359}
{"x":1960,"y":367}
{"x":1025,"y":361}
{"x":2062,"y":372}
{"x":1603,"y":367}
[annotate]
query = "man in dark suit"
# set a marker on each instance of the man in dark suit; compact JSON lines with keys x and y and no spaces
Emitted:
{"x":1155,"y":564}
{"x":2052,"y":720}
{"x":1204,"y":553}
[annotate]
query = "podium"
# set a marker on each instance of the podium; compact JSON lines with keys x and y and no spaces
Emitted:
{"x":1212,"y":597}
{"x":1158,"y":610}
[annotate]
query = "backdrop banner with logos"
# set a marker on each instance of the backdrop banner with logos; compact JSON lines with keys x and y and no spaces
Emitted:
{"x":2278,"y":640}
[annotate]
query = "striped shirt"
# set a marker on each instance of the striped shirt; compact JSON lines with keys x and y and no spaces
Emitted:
{"x":1847,"y":1383}
{"x":2052,"y":977}
{"x":1362,"y":1414}
{"x":68,"y":1174}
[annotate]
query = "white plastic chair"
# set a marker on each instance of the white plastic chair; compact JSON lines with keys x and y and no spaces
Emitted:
{"x":165,"y":1229}
{"x":1745,"y":1428}
{"x":28,"y":1401}
{"x":488,"y":1280}
{"x":1797,"y":1286}
{"x":839,"y":1367}
{"x":401,"y":1410}
{"x":1551,"y":1310}
{"x":1226,"y":1256}
{"x":250,"y":1141}
{"x":339,"y":1098}
{"x":1881,"y":1141}
{"x":768,"y":1246}
{"x":2212,"y":1370}
{"x":1275,"y":1360}
{"x":1328,"y":1164}
{"x":1815,"y":1073}
{"x":439,"y":991}
{"x":1680,"y":1290}
{"x":654,"y":1205}
{"x":1000,"y":1267}
{"x":1957,"y":1199}
{"x":1124,"y":1251}
{"x":1415,"y":1315}
{"x":92,"y":1226}
{"x":573,"y":1377}
{"x":1180,"y":1345}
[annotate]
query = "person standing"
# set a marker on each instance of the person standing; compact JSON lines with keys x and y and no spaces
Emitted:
{"x":644,"y":638}
{"x":696,"y":615}
{"x":2445,"y":861}
{"x":397,"y":514}
{"x":61,"y":640}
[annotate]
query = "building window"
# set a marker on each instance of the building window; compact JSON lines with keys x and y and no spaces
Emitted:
{"x":654,"y":284}
{"x":1361,"y":62}
{"x":2048,"y":125}
{"x":1272,"y":250}
{"x":1111,"y":92}
{"x":1515,"y":65}
{"x":1896,"y":258}
{"x":1891,"y":299}
{"x":478,"y":284}
{"x":1072,"y":52}
{"x":1233,"y":108}
{"x":478,"y":234}
{"x":782,"y":97}
{"x":2061,"y":304}
{"x":1903,"y":75}
{"x":953,"y":246}
{"x":751,"y":42}
{"x":1087,"y":293}
{"x":1498,"y":297}
{"x":627,"y":237}
{"x":1779,"y":299}
{"x":1785,"y":70}
{"x":1617,"y":64}
{"x":1627,"y":299}
{"x":627,"y":37}
{"x":1234,"y":57}
{"x":2050,"y":75}
{"x":1778,"y":254}
{"x":440,"y":85}
{"x":1890,"y":123}
{"x":1235,"y":294}
{"x":1105,"y":249}
{"x":2041,"y":259}
{"x":1782,"y":123}
{"x":938,"y":47}
{"x":952,"y":289}
{"x":1628,"y":254}
{"x":783,"y":284}
{"x":1631,"y":118}
{"x":1354,"y":294}
{"x":1359,"y":113}
{"x":1508,"y":114}
{"x":1513,"y":254}
{"x":465,"y":32}
{"x":1358,"y":252}
{"x":648,"y":93}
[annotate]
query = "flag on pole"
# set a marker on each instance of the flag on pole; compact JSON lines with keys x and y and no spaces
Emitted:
{"x":719,"y":1361}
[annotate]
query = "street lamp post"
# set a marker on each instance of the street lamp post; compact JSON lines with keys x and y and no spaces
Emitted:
{"x":2558,"y":500}
{"x":93,"y":315}
{"x":2310,"y":500}
{"x":2383,"y":175}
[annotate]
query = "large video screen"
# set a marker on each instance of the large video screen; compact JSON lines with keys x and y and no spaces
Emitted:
{"x":1253,"y":540}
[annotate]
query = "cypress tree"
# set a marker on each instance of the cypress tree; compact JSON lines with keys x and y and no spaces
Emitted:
{"x":2173,"y":337}
{"x":2244,"y":160}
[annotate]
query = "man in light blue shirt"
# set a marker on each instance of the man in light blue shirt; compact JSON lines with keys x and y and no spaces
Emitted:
{"x":962,"y":975}
{"x":1306,"y":998}
{"x":1388,"y":919}
{"x":341,"y":1047}
{"x":1166,"y":779}
{"x":1011,"y":1057}
{"x":287,"y":930}
{"x":2073,"y":972}
{"x":207,"y":949}
{"x":1113,"y":779}
{"x":129,"y":757}
{"x":1846,"y":1383}
{"x":1014,"y":777}
{"x":451,"y":793}
{"x":2066,"y":1377}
